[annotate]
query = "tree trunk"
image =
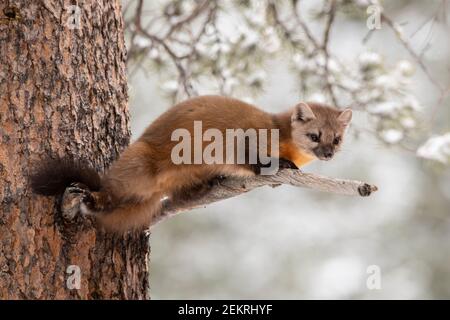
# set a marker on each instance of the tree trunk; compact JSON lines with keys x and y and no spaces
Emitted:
{"x":63,"y":92}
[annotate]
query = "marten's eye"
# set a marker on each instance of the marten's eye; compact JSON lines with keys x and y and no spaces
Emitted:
{"x":337,"y":140}
{"x":314,"y":137}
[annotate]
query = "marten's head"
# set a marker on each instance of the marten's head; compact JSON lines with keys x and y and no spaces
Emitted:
{"x":319,"y":130}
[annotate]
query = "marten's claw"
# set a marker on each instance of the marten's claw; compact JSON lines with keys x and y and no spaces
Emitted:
{"x":75,"y":190}
{"x":77,"y":187}
{"x":86,"y":196}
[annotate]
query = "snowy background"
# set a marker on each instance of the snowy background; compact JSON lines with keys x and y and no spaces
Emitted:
{"x":295,"y":243}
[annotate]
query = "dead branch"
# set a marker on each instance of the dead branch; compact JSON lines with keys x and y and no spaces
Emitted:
{"x":418,"y":59}
{"x":232,"y":187}
{"x":326,"y":40}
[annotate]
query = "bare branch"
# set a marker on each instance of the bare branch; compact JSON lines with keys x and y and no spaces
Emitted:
{"x":410,"y":50}
{"x":326,"y":40}
{"x":194,"y":14}
{"x":232,"y":187}
{"x":166,"y":41}
{"x":304,"y":27}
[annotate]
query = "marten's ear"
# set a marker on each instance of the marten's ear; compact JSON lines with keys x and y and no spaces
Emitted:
{"x":302,"y":112}
{"x":345,"y":117}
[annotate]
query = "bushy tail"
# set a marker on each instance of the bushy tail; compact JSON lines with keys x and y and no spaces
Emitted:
{"x":53,"y":176}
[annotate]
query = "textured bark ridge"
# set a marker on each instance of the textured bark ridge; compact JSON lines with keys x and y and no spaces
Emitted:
{"x":62,"y":92}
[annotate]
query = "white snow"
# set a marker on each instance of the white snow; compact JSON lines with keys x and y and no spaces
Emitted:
{"x":436,"y":148}
{"x":367,"y":59}
{"x":270,"y":43}
{"x":256,"y":77}
{"x":387,"y":81}
{"x":317,"y":97}
{"x":170,"y":86}
{"x":142,"y":42}
{"x":405,"y":68}
{"x":392,"y":135}
{"x":153,"y":53}
{"x":385,"y":108}
{"x":408,"y":123}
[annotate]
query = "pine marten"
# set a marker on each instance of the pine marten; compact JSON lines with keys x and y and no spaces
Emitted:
{"x":129,"y":195}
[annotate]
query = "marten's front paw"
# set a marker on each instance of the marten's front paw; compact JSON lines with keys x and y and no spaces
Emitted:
{"x":216,"y":181}
{"x":286,"y":164}
{"x":366,"y":190}
{"x":86,"y":195}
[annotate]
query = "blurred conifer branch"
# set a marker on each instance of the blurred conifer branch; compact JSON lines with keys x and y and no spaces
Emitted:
{"x":209,"y":46}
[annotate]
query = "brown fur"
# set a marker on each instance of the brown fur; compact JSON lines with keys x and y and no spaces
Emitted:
{"x":133,"y":187}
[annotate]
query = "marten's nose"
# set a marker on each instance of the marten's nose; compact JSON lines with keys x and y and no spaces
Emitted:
{"x":328,"y":152}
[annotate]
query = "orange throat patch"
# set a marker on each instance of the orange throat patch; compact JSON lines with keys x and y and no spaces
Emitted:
{"x":290,"y":152}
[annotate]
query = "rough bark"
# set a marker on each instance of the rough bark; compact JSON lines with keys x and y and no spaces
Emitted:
{"x":63,"y":91}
